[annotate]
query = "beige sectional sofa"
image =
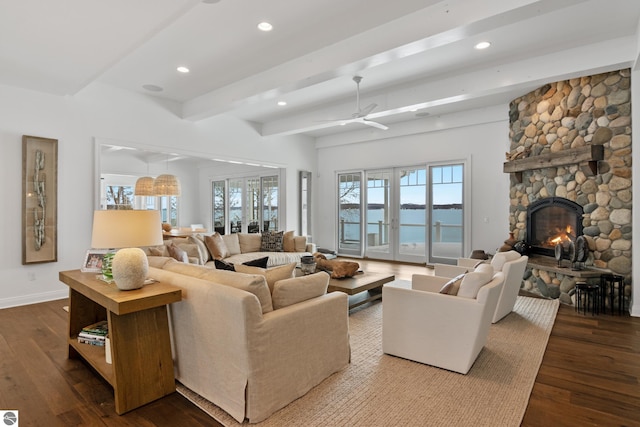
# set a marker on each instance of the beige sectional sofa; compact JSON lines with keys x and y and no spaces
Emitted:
{"x":253,"y":343}
{"x":240,"y":248}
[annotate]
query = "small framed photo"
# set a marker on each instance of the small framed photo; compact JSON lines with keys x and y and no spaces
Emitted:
{"x":93,"y":260}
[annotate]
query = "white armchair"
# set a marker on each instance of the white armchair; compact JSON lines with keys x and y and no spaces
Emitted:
{"x":511,"y":263}
{"x":421,"y":324}
{"x":513,"y":271}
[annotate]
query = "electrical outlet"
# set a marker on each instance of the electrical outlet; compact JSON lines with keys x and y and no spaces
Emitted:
{"x":486,"y":219}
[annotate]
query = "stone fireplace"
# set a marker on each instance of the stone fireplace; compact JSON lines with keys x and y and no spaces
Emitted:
{"x":552,"y":221}
{"x":570,"y":168}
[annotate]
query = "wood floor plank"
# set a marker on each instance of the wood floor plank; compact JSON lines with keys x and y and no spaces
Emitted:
{"x":47,"y":388}
{"x":590,"y":373}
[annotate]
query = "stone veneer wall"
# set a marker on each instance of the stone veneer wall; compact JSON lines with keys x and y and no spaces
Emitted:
{"x":567,"y":114}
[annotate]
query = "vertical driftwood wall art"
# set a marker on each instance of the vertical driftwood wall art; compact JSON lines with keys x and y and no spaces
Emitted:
{"x":39,"y":199}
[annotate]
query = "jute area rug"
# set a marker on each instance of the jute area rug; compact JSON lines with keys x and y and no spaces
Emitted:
{"x":381,"y":390}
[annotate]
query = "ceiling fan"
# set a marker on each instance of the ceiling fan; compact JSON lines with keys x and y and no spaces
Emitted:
{"x":360,"y":115}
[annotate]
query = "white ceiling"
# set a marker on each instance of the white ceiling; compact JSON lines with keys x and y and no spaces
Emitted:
{"x":411,"y":53}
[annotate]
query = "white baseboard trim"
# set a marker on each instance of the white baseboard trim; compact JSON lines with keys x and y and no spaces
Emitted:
{"x":634,"y":308}
{"x":33,"y":299}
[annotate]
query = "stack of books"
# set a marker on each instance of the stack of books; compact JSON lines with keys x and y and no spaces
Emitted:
{"x":95,"y":334}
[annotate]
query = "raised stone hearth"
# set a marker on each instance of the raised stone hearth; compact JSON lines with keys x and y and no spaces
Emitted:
{"x":555,"y":121}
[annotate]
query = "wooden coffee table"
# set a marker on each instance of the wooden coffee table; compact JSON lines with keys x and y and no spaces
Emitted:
{"x":360,"y":283}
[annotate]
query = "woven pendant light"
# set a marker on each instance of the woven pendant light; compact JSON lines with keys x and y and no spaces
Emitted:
{"x":144,"y":186}
{"x":166,"y":185}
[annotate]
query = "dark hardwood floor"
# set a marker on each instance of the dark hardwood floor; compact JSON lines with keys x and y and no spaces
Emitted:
{"x":48,"y":389}
{"x":589,"y":375}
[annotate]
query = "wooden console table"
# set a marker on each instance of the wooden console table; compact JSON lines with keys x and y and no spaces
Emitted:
{"x":142,"y":369}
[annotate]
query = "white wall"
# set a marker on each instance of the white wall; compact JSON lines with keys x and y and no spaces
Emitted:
{"x":103,"y":112}
{"x":481,"y":137}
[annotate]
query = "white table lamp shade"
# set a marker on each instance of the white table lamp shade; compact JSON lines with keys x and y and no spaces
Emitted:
{"x":114,"y":229}
{"x":117,"y":229}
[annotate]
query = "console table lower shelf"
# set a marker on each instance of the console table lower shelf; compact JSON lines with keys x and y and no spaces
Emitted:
{"x":142,"y":365}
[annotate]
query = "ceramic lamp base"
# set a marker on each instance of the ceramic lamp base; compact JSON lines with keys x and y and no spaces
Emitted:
{"x":130,"y":268}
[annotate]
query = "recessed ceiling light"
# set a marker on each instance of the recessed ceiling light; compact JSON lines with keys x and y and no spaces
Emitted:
{"x":183,"y":69}
{"x":265,"y":26}
{"x":282,"y":103}
{"x":152,"y":88}
{"x":210,"y":1}
{"x":482,"y":45}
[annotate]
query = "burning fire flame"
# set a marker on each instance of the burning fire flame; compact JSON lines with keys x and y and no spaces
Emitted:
{"x":562,"y":237}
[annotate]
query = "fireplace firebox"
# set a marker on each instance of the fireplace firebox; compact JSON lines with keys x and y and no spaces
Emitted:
{"x":552,"y":221}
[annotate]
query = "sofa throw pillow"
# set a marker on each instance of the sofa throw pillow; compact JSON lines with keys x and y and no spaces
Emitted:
{"x":300,"y":243}
{"x":287,"y":242}
{"x":193,"y":253}
{"x":223,"y":265}
{"x":271,"y":241}
{"x":198,"y":240}
{"x":249,"y":242}
{"x":292,"y":291}
{"x":158,"y":250}
{"x":472,"y":282}
{"x":178,"y":254}
{"x":452,"y":286}
{"x":232,"y":242}
{"x":260,"y":262}
{"x":216,"y":246}
{"x":271,"y":274}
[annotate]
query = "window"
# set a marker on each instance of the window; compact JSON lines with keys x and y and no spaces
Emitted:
{"x":270,"y":202}
{"x":250,"y":204}
{"x":446,"y":212}
{"x":169,"y":210}
{"x":349,"y":213}
{"x":219,"y":206}
{"x":119,"y":197}
{"x":116,"y":192}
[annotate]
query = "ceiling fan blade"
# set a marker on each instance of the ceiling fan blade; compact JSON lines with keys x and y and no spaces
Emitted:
{"x":375,"y":124}
{"x":360,"y":116}
{"x":371,"y":123}
{"x":365,"y":111}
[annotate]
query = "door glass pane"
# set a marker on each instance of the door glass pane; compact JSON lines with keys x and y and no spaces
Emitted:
{"x":253,"y":205}
{"x":446,"y":211}
{"x":119,"y":197}
{"x":305,"y":203}
{"x":219,"y":206}
{"x":235,"y":205}
{"x":378,"y":213}
{"x":413,"y":218}
{"x":169,"y":210}
{"x":349,"y":215}
{"x":270,"y":203}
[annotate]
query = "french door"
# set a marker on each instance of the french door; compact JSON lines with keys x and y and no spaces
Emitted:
{"x":396,"y":221}
{"x":410,"y":214}
{"x":447,"y":233}
{"x":245,"y":205}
